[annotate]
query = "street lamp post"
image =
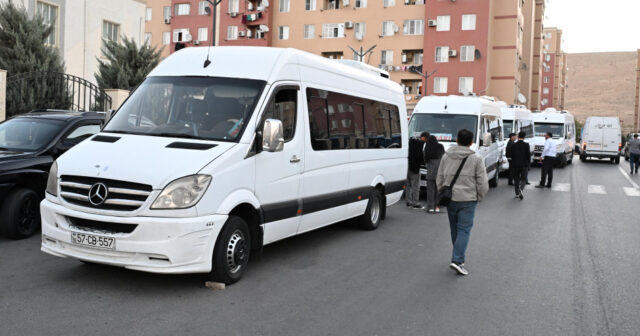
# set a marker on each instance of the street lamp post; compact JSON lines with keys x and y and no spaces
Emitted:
{"x":362,"y":53}
{"x":425,"y":75}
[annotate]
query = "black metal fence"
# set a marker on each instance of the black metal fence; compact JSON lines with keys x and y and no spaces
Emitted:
{"x":53,"y":90}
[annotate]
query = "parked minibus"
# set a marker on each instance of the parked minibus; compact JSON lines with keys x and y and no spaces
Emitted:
{"x":444,"y":116}
{"x":561,"y":125}
{"x":601,"y":139}
{"x":203,"y":165}
{"x":516,"y":118}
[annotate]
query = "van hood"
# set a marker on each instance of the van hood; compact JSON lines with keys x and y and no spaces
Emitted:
{"x":139,"y":158}
{"x":539,"y":141}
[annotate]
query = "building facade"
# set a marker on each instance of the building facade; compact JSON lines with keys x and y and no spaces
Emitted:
{"x":536,"y":62}
{"x":157,"y":27}
{"x":554,"y":70}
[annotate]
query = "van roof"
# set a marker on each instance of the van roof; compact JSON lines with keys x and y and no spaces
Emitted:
{"x":551,"y":115}
{"x":516,"y":112}
{"x":261,"y":63}
{"x":458,"y":105}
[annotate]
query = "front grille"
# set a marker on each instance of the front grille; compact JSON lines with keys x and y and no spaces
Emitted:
{"x":121,"y":195}
{"x":538,"y":148}
{"x":92,"y":226}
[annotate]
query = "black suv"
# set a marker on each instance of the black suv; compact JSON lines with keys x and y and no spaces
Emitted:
{"x":29,"y":143}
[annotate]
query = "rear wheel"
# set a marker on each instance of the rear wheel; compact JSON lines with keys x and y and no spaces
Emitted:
{"x":232,"y":251}
{"x":373,"y":215}
{"x":20,"y":214}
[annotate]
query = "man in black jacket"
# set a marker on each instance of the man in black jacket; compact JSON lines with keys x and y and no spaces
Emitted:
{"x":520,"y":161}
{"x":416,"y":159}
{"x":512,"y":140}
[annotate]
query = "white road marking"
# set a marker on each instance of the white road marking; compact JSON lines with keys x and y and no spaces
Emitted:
{"x":596,"y":189}
{"x":624,"y":173}
{"x":561,"y":187}
{"x":631,"y":192}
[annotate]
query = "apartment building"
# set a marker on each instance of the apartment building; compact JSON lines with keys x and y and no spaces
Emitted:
{"x":157,"y":27}
{"x":80,"y":27}
{"x":475,"y":47}
{"x":636,"y":109}
{"x":536,"y":63}
{"x":528,"y":51}
{"x":553,"y":70}
{"x":341,"y":29}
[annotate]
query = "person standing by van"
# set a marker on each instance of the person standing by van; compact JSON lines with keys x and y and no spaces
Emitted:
{"x":520,"y":162}
{"x":433,"y":153}
{"x":634,"y":153}
{"x":512,"y":140}
{"x":548,"y":159}
{"x":416,"y":159}
{"x":470,"y":187}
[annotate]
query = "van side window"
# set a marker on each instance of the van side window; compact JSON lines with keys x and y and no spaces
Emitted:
{"x":527,"y":128}
{"x":283,"y":107}
{"x":340,"y":121}
{"x":495,"y":129}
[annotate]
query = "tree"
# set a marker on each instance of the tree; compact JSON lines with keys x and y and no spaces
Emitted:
{"x":126,"y":65}
{"x":34,"y":69}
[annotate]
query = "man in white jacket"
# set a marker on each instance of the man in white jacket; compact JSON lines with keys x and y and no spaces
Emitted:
{"x":470,"y":187}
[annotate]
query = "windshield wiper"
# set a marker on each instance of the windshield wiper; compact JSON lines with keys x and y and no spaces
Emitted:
{"x":177,"y":135}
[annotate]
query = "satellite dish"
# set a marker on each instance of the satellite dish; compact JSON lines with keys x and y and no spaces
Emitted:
{"x":522,"y":99}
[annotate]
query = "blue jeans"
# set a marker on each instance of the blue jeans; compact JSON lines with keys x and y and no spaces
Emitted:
{"x":460,"y":221}
{"x":634,"y":159}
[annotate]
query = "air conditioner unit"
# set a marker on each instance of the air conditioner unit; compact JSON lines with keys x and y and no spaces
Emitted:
{"x":404,"y":58}
{"x":241,"y":33}
{"x":453,"y":53}
{"x":196,"y":42}
{"x":233,"y":14}
{"x":432,"y":23}
{"x":167,"y":20}
{"x":348,"y":24}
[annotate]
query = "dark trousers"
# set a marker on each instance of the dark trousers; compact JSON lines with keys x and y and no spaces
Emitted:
{"x":547,"y":170}
{"x":520,"y":178}
{"x":511,"y":172}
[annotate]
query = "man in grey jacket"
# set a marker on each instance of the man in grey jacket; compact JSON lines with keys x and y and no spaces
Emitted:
{"x":469,"y":189}
{"x":634,"y":153}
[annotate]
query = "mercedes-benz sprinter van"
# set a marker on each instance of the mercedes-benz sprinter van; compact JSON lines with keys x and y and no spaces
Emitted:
{"x":561,"y":125}
{"x":601,"y":139}
{"x":516,"y":118}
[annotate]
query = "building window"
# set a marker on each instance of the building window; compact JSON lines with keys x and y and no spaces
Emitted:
{"x":110,"y":31}
{"x":440,"y":85}
{"x":147,"y":14}
{"x":547,"y":35}
{"x":443,"y":23}
{"x":181,"y":35}
{"x":388,"y":28}
{"x":202,"y":7}
{"x":284,"y":6}
{"x":547,"y":58}
{"x":467,"y":53}
{"x":546,"y":79}
{"x":50,"y":15}
{"x":147,"y":38}
{"x":234,"y":6}
{"x":361,"y":3}
{"x":309,"y":31}
{"x":545,"y":91}
{"x":469,"y":22}
{"x":547,"y":46}
{"x":387,"y":57}
{"x":283,"y":32}
{"x":333,"y":30}
{"x":167,"y":12}
{"x":359,"y":30}
{"x":417,"y":59}
{"x":442,"y":54}
{"x":310,"y":5}
{"x":389,"y":3}
{"x":332,"y":55}
{"x":414,"y":27}
{"x":166,"y":38}
{"x":465,"y":85}
{"x":203,"y":33}
{"x":183,"y":9}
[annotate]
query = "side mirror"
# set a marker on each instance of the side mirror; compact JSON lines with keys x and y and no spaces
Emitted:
{"x":272,"y":136}
{"x":486,"y":139}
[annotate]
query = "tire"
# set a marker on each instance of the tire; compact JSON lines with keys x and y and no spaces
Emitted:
{"x":493,"y":183}
{"x":232,"y":251}
{"x":618,"y":160}
{"x":20,"y":214}
{"x":373,"y":215}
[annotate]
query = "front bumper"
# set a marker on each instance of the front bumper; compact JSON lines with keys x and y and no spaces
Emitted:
{"x":158,"y":245}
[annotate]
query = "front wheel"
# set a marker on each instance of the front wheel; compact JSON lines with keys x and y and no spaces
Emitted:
{"x":232,"y":251}
{"x":20,"y":214}
{"x":373,"y":215}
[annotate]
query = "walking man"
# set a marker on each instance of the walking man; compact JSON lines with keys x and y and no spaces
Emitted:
{"x":470,"y":187}
{"x":634,"y":153}
{"x":548,"y":159}
{"x":520,"y":162}
{"x":416,"y":159}
{"x":512,"y":140}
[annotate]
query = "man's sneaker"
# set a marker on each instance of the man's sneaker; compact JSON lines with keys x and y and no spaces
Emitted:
{"x":539,"y":186}
{"x":521,"y":196}
{"x":459,"y":268}
{"x":548,"y":186}
{"x":417,"y":207}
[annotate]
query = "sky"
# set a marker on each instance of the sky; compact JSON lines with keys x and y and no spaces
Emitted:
{"x":596,"y":25}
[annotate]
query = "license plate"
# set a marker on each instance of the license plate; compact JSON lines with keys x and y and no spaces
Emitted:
{"x":83,"y":239}
{"x":595,"y":146}
{"x":423,"y":183}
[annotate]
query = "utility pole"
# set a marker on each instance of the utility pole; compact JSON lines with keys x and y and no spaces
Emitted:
{"x":361,"y":54}
{"x":425,"y":75}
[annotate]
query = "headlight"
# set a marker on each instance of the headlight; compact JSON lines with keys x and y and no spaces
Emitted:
{"x":182,"y":193}
{"x":52,"y":180}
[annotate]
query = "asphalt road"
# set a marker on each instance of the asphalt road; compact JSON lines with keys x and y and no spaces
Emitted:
{"x":562,"y":262}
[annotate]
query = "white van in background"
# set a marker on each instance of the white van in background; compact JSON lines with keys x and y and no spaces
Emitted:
{"x":202,"y":166}
{"x":516,"y":118}
{"x":601,"y":138}
{"x":443,"y":117}
{"x":562,"y":126}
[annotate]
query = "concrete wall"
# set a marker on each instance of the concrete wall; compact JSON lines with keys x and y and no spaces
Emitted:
{"x":3,"y":94}
{"x":117,"y":97}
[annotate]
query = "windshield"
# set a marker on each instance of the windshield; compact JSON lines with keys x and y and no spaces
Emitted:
{"x":28,"y":134}
{"x":556,"y":129}
{"x":508,"y":127}
{"x":444,"y":127}
{"x":189,"y":107}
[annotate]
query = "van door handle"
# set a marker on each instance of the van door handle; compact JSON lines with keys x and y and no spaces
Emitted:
{"x":294,"y":159}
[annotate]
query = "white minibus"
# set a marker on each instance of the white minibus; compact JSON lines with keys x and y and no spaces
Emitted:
{"x":561,"y":125}
{"x":444,"y":116}
{"x":203,"y":165}
{"x":516,"y":118}
{"x":601,"y":139}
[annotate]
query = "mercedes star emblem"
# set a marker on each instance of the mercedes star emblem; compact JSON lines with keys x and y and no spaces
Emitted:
{"x":98,"y":194}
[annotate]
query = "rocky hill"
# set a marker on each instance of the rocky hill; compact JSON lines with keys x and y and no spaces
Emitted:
{"x":602,"y":84}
